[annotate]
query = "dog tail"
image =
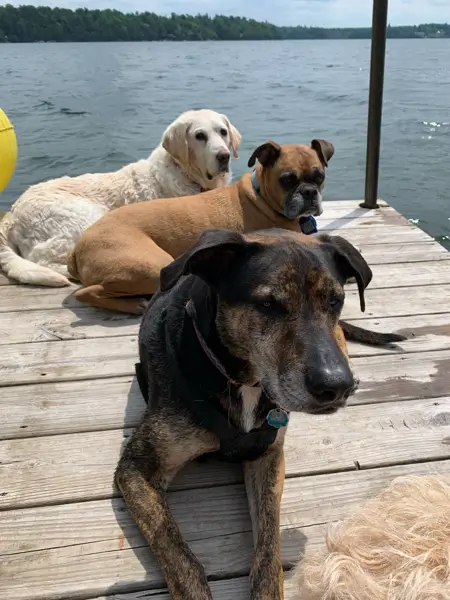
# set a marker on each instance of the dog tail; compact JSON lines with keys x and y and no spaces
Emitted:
{"x":24,"y":271}
{"x":372,"y":338}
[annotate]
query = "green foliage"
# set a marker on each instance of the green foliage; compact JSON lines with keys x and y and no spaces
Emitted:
{"x":45,"y":24}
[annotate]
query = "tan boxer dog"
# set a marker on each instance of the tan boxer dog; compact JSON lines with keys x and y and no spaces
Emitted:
{"x":119,"y":258}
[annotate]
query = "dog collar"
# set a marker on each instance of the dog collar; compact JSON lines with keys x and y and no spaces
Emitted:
{"x":276,"y":417}
{"x":190,"y":310}
{"x":308,"y":224}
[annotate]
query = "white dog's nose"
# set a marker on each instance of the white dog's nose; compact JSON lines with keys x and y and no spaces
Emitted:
{"x":223,"y":157}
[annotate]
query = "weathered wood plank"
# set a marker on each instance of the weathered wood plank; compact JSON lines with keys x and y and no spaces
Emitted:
{"x":372,"y":234}
{"x":94,"y":548}
{"x":398,"y":302}
{"x":403,"y":253}
{"x":221,"y":590}
{"x":62,"y":324}
{"x":18,"y":298}
{"x":67,"y":468}
{"x":81,"y":323}
{"x":114,"y":357}
{"x":69,"y":407}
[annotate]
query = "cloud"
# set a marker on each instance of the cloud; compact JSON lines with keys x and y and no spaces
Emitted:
{"x":325,"y":13}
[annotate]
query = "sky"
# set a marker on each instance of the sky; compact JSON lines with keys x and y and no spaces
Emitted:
{"x":324,"y":13}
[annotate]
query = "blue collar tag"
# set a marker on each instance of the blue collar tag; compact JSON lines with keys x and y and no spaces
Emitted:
{"x":308,"y":225}
{"x":277,"y":417}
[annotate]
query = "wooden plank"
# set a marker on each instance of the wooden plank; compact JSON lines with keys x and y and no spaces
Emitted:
{"x":403,"y":253}
{"x":82,"y":359}
{"x":379,"y":219}
{"x":25,"y":298}
{"x":67,"y":468}
{"x":402,"y":377}
{"x":61,"y":324}
{"x":387,"y":234}
{"x":425,"y":333}
{"x":69,"y":407}
{"x":221,"y":590}
{"x":94,"y":548}
{"x":18,"y":299}
{"x":398,"y":302}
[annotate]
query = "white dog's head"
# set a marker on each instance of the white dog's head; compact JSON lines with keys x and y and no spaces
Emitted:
{"x":201,"y":142}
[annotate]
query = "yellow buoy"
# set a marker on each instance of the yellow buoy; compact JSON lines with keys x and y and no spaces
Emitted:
{"x":8,"y":150}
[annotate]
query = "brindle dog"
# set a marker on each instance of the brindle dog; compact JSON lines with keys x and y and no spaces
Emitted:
{"x":244,"y":329}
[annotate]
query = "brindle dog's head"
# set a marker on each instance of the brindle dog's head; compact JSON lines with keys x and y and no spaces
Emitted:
{"x":279,"y":299}
{"x":292,"y":176}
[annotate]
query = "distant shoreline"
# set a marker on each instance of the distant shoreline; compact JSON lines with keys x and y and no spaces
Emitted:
{"x":29,"y":24}
{"x":206,"y":40}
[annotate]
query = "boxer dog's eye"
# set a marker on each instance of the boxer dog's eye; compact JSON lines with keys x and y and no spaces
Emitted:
{"x":318,"y":177}
{"x":288,"y":180}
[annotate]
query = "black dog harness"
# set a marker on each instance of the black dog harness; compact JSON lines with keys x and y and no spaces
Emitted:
{"x":235,"y":445}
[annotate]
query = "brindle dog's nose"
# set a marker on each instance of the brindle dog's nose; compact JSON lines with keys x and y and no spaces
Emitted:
{"x":330,"y":384}
{"x":223,"y":158}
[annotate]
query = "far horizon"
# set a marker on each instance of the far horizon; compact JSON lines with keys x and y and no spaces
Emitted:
{"x":288,"y":13}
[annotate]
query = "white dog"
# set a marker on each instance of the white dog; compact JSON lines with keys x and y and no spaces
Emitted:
{"x":44,"y":224}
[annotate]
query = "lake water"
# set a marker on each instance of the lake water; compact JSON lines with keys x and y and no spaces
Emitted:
{"x":95,"y":107}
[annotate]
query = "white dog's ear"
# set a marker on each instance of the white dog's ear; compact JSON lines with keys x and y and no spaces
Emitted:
{"x":174,"y":141}
{"x":235,"y":136}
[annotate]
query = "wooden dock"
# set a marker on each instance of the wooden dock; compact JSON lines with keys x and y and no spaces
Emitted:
{"x":69,"y":401}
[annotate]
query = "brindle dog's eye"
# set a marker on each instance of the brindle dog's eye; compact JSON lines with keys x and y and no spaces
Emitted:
{"x":201,"y":136}
{"x":336,"y":303}
{"x":288,"y":180}
{"x":270,"y":306}
{"x":223,"y":132}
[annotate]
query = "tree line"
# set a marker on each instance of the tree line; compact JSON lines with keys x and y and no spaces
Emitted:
{"x":45,"y":24}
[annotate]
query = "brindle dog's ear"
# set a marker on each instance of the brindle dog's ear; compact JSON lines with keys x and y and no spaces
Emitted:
{"x":324,"y":149}
{"x":350,"y":263}
{"x":214,"y":251}
{"x":267,"y":154}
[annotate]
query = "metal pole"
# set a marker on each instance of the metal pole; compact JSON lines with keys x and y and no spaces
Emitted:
{"x":378,"y":51}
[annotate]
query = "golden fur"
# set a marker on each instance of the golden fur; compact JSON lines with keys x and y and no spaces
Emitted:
{"x":396,"y":547}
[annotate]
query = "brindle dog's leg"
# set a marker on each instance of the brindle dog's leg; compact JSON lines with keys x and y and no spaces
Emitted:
{"x":161,"y":445}
{"x":264,"y":480}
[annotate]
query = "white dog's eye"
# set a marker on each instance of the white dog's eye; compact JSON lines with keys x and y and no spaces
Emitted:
{"x":201,"y":136}
{"x":223,"y":132}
